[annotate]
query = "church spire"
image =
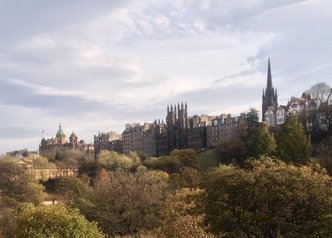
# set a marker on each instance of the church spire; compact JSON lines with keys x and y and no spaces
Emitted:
{"x":269,"y":97}
{"x":269,"y":85}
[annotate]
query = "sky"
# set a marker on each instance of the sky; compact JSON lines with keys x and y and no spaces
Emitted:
{"x":96,"y":65}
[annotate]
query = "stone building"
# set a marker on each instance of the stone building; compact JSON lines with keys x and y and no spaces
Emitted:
{"x":107,"y":141}
{"x":49,"y":147}
{"x":139,"y":138}
{"x":179,"y":131}
{"x":223,"y":128}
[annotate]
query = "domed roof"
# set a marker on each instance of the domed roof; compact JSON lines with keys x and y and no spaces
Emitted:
{"x":60,"y":132}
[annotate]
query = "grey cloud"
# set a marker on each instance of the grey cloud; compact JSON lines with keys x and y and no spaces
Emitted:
{"x":18,"y":95}
{"x":26,"y":18}
{"x":10,"y":132}
{"x":233,"y":76}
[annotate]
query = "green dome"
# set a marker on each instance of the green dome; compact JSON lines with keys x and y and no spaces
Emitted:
{"x":60,"y":132}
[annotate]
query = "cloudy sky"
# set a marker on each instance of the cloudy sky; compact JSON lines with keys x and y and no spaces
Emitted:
{"x":96,"y":65}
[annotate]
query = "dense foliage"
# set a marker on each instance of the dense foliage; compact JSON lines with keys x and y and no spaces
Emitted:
{"x":268,"y":199}
{"x":54,"y":221}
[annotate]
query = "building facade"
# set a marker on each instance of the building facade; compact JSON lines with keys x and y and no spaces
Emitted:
{"x":224,"y":128}
{"x":179,"y":131}
{"x":49,"y":147}
{"x":107,"y":141}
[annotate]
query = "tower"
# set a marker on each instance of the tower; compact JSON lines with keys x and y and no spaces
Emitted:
{"x":270,"y":96}
{"x":60,"y":136}
{"x":73,"y":139}
{"x":182,"y":126}
{"x":171,"y":121}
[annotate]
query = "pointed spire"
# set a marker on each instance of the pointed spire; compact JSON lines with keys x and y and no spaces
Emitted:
{"x":269,"y":76}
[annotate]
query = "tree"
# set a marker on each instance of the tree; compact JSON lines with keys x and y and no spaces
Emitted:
{"x":112,"y":161}
{"x":292,"y":143}
{"x":324,"y":154}
{"x":127,"y":204}
{"x":18,"y":185}
{"x":261,"y":142}
{"x":252,"y":118}
{"x":188,"y":157}
{"x":42,"y":163}
{"x":232,"y":151}
{"x":54,"y":221}
{"x":319,"y":90}
{"x":180,"y":218}
{"x":269,"y":199}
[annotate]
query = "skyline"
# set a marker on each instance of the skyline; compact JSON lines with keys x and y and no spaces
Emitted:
{"x":96,"y":66}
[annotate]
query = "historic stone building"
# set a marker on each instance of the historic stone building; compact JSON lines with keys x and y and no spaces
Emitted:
{"x":49,"y":147}
{"x":107,"y":141}
{"x":179,"y":131}
{"x":139,"y":138}
{"x":223,"y":128}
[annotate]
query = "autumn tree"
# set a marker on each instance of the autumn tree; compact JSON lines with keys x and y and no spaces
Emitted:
{"x":18,"y":185}
{"x":269,"y":199}
{"x":54,"y":221}
{"x":180,"y":216}
{"x":43,"y":163}
{"x":127,"y":203}
{"x":292,"y":143}
{"x":188,"y":157}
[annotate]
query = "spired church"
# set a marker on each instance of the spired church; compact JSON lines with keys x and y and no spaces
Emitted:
{"x":314,"y":113}
{"x":271,"y":113}
{"x":49,"y":147}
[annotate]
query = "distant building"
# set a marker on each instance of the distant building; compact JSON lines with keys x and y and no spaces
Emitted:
{"x":107,"y":141}
{"x":23,"y":154}
{"x":179,"y":132}
{"x":139,"y":138}
{"x":49,"y":147}
{"x":223,"y":128}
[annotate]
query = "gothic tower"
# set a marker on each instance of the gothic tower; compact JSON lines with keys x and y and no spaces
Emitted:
{"x":171,"y":127}
{"x":270,"y":96}
{"x":182,"y":126}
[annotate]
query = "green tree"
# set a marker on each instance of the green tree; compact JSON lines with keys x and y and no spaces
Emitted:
{"x":42,"y":163}
{"x":292,"y":143}
{"x":261,"y":142}
{"x":112,"y":161}
{"x":252,"y":118}
{"x":269,"y":199}
{"x":54,"y":221}
{"x":169,"y":164}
